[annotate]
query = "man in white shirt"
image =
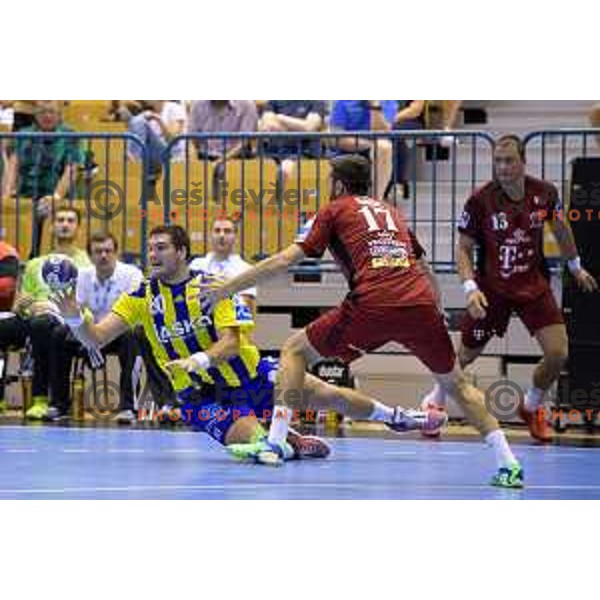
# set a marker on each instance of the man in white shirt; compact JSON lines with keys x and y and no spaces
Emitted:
{"x":223,"y":261}
{"x":98,"y":288}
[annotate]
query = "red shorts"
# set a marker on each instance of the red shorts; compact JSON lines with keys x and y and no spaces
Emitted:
{"x":535,"y":315}
{"x":345,"y":331}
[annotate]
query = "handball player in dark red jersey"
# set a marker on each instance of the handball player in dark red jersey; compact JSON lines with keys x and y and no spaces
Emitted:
{"x":391,"y":298}
{"x":505,"y":220}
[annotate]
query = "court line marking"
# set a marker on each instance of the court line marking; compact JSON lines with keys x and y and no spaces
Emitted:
{"x":21,"y":450}
{"x":76,"y":450}
{"x":126,"y":450}
{"x":273,"y":486}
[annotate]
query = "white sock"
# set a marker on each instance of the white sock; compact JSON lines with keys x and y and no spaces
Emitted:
{"x":381,"y":412}
{"x":504,"y":455}
{"x":437,"y":396}
{"x":533,"y":398}
{"x":278,"y":431}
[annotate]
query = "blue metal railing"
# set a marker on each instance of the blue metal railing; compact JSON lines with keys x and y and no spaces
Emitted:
{"x":96,"y":170}
{"x":269,"y":204}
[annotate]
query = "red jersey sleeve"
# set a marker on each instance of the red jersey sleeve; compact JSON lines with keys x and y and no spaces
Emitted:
{"x":470,"y":221}
{"x":315,"y":235}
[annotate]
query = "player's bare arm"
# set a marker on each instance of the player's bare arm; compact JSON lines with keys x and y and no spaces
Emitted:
{"x":564,"y":236}
{"x":263,"y":270}
{"x":476,"y":300}
{"x":225,"y":347}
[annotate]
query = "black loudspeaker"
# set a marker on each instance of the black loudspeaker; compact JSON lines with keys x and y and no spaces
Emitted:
{"x":579,"y":387}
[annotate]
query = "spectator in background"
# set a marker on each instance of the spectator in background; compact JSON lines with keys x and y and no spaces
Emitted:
{"x":33,"y":303}
{"x":366,"y":115}
{"x":409,"y":115}
{"x":152,"y":131}
{"x":223,"y":260}
{"x":98,"y":288}
{"x":174,"y":117}
{"x":443,"y":114}
{"x":44,"y":170}
{"x":297,"y":116}
{"x":222,"y":116}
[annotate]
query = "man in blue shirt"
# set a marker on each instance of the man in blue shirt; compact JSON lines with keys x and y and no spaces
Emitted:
{"x":366,"y":115}
{"x":297,"y":116}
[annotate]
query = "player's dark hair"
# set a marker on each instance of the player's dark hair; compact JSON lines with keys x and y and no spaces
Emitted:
{"x":99,"y":237}
{"x":64,"y":207}
{"x":354,"y":171}
{"x":179,"y":237}
{"x":511,"y":138}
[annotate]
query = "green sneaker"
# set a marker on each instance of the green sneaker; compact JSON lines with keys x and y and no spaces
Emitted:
{"x":38,"y":410}
{"x":509,"y":477}
{"x":262,"y":452}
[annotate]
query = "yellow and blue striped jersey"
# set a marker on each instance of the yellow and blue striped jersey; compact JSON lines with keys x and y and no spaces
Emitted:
{"x":177,"y":324}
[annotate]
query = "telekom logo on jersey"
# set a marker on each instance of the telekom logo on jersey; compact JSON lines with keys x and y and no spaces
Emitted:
{"x":508,"y":255}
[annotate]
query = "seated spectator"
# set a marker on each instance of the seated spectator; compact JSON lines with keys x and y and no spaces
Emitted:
{"x":366,"y":115}
{"x":13,"y":330}
{"x":292,"y":115}
{"x":42,"y":169}
{"x":33,"y":303}
{"x":98,"y":288}
{"x":410,"y":115}
{"x":222,"y":116}
{"x":443,"y":114}
{"x":223,"y":260}
{"x":174,"y":117}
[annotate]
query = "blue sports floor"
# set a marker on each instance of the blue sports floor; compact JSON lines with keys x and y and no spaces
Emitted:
{"x":70,"y":463}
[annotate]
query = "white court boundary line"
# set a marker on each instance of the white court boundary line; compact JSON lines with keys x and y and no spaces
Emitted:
{"x":279,"y":486}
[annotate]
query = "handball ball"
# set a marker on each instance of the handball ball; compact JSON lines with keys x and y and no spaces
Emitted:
{"x":59,"y":272}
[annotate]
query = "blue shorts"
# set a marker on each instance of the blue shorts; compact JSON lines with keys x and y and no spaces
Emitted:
{"x":214,"y":410}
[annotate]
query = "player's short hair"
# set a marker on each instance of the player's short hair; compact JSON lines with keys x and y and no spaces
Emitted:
{"x":514,"y":140}
{"x":64,"y":207}
{"x":99,"y":237}
{"x":354,"y":171}
{"x":179,"y":236}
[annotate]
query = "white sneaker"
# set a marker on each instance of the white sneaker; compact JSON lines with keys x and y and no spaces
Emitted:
{"x":126,"y":417}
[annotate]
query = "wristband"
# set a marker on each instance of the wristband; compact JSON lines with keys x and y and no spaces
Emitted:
{"x":469,"y":285}
{"x":201,"y":360}
{"x":574,"y":265}
{"x":74,"y":322}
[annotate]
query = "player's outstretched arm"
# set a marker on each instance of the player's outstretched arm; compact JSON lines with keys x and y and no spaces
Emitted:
{"x":263,"y":270}
{"x":564,"y":236}
{"x":94,"y":335}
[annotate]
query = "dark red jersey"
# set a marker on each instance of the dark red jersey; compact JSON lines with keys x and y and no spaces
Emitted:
{"x":373,"y":246}
{"x":510,"y":237}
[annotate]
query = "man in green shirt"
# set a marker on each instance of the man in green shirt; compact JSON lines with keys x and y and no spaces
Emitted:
{"x":33,"y":303}
{"x":42,"y":169}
